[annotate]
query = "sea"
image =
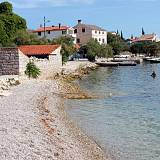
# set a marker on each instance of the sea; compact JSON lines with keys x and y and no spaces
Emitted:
{"x":124,"y":119}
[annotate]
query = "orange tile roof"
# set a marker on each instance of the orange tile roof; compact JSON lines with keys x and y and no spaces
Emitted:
{"x":77,"y":46}
{"x":147,"y":37}
{"x":30,"y":50}
{"x":53,"y":28}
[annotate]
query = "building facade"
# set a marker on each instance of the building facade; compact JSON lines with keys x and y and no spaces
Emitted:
{"x":13,"y":61}
{"x":85,"y":32}
{"x":146,"y":38}
{"x":54,"y":32}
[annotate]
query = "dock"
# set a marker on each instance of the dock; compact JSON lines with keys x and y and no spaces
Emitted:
{"x":116,"y":64}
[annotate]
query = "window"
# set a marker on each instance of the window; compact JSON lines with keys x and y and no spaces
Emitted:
{"x":99,"y":32}
{"x":96,"y":39}
{"x":39,"y":33}
{"x":64,"y":32}
{"x":78,"y":40}
{"x":99,"y":39}
{"x":75,"y":31}
{"x":83,"y":30}
{"x":70,"y":32}
{"x":103,"y":40}
{"x":102,"y":32}
{"x":95,"y":32}
{"x":49,"y":32}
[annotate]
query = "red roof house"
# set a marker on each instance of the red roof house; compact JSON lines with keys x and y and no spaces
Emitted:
{"x":35,"y":50}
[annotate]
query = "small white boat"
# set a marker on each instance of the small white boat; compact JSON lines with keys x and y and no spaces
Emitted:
{"x":155,"y":60}
{"x":147,"y":58}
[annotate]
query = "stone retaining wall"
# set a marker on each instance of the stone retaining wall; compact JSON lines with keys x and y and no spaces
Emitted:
{"x":9,"y":61}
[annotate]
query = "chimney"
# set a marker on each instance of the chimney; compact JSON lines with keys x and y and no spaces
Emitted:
{"x":59,"y":25}
{"x":79,"y":21}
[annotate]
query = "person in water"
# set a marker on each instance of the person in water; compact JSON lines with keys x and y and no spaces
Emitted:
{"x":153,"y":74}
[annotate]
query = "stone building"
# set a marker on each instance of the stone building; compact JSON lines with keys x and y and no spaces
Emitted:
{"x":85,"y":32}
{"x":13,"y":61}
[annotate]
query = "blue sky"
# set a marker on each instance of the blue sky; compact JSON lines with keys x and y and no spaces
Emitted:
{"x":126,"y":15}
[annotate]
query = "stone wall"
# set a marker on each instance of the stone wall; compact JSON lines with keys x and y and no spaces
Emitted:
{"x":9,"y":61}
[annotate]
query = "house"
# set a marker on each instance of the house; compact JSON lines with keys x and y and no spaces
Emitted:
{"x":85,"y":32}
{"x":146,"y":38}
{"x":13,"y":61}
{"x":53,"y":32}
{"x":113,"y":33}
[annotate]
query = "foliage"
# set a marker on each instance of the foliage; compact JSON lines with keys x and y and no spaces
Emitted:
{"x":68,"y":47}
{"x":143,"y":33}
{"x":117,"y":43}
{"x":22,"y":37}
{"x":93,"y":49}
{"x":105,"y":51}
{"x":122,"y":35}
{"x":32,"y":71}
{"x":148,"y":48}
{"x":6,"y":7}
{"x":10,"y":23}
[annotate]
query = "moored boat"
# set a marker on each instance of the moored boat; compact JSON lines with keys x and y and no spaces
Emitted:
{"x":155,"y":60}
{"x":108,"y":64}
{"x":130,"y":63}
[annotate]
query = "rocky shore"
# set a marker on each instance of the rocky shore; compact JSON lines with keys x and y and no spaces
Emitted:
{"x":33,"y":125}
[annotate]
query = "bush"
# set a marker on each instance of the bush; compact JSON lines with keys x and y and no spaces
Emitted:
{"x":32,"y":71}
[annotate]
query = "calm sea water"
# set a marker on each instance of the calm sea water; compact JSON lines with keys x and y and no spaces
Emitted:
{"x":125,"y":120}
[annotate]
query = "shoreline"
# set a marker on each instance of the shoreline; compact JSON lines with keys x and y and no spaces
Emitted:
{"x":42,"y":129}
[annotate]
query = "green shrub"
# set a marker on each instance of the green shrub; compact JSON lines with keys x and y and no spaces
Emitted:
{"x":32,"y":71}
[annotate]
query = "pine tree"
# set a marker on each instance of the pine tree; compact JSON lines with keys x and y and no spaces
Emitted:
{"x":143,"y":33}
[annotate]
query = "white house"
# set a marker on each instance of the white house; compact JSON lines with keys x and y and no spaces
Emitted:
{"x":85,"y":32}
{"x":55,"y":32}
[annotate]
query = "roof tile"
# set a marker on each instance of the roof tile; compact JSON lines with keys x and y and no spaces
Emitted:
{"x":31,"y":50}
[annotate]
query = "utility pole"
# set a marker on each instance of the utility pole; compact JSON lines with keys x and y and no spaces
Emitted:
{"x":45,"y":26}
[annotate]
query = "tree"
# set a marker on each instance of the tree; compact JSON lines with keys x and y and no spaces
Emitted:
{"x":148,"y":48}
{"x":6,"y":7}
{"x":68,"y":47}
{"x":93,"y":49}
{"x":32,"y":71}
{"x":105,"y":51}
{"x":23,"y":37}
{"x":117,"y":33}
{"x":10,"y":23}
{"x":122,"y":35}
{"x":143,"y":33}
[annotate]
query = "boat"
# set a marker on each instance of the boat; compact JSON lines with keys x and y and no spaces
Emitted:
{"x":154,"y":60}
{"x":108,"y":64}
{"x":116,"y":64}
{"x":130,"y":63}
{"x":147,"y":58}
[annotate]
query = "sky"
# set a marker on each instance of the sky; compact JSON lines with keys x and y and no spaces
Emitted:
{"x":126,"y":15}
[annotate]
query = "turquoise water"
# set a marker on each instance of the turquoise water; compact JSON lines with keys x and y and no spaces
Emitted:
{"x":125,"y":120}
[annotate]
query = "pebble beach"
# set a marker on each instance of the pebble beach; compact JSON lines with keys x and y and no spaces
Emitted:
{"x":34,"y":126}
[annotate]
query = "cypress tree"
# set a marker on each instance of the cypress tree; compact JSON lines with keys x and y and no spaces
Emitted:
{"x":143,"y":33}
{"x":132,"y":36}
{"x":122,"y":35}
{"x":117,"y":32}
